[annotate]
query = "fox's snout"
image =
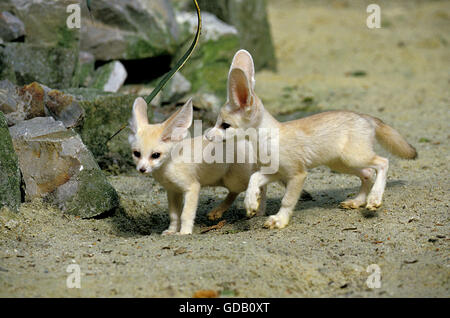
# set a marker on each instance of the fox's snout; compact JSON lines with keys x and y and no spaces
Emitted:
{"x":214,"y":135}
{"x":142,"y":170}
{"x":142,"y":167}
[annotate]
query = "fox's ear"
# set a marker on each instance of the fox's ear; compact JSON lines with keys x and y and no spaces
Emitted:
{"x":239,"y":89}
{"x":176,"y":127}
{"x":139,"y":117}
{"x":244,"y":60}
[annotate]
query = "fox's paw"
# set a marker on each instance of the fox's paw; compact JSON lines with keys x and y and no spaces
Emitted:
{"x":251,"y":211}
{"x":351,"y":204}
{"x":372,"y":207}
{"x":168,"y":232}
{"x":184,"y":232}
{"x":252,"y":202}
{"x":276,"y":222}
{"x":215,"y":214}
{"x":373,"y":204}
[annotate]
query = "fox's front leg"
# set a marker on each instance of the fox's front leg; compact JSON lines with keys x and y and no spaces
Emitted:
{"x":189,"y":209}
{"x":294,"y":188}
{"x":252,"y":199}
{"x":175,"y":201}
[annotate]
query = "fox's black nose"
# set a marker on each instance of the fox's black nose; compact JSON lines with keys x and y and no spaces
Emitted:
{"x":142,"y":170}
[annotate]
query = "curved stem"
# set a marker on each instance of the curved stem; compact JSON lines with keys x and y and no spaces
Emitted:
{"x":175,"y":69}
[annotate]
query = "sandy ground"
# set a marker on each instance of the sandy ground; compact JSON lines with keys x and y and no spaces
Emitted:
{"x":325,"y":251}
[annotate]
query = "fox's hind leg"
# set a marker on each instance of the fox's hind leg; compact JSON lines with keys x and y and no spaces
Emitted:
{"x":219,"y":210}
{"x":358,"y":157}
{"x":262,"y":205}
{"x":375,"y":197}
{"x":366,"y":176}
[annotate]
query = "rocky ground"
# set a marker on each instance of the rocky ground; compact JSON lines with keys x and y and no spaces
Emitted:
{"x":327,"y":59}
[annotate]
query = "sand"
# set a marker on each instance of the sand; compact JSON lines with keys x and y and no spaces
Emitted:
{"x":325,"y":251}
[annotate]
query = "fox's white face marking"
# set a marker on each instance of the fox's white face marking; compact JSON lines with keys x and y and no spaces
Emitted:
{"x":151,"y":145}
{"x":148,"y":152}
{"x":221,"y":129}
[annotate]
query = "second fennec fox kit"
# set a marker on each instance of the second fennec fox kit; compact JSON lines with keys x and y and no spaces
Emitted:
{"x":153,"y":146}
{"x":341,"y":140}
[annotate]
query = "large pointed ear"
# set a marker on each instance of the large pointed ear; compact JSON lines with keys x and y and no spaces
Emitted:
{"x":176,"y":127}
{"x":244,"y":60}
{"x":139,"y":117}
{"x":239,"y":89}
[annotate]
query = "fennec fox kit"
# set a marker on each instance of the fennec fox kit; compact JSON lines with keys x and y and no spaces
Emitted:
{"x":341,"y":140}
{"x":152,"y":146}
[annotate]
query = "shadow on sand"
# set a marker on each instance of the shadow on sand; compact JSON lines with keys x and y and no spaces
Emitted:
{"x":127,"y":224}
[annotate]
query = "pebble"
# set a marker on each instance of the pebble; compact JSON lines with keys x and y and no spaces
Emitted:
{"x":11,"y":224}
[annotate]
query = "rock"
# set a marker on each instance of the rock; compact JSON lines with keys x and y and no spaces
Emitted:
{"x":207,"y":101}
{"x":11,"y":28}
{"x":85,"y":69}
{"x":163,"y":9}
{"x":182,"y":5}
{"x":36,"y":100}
{"x":9,"y":100}
{"x":212,"y":28}
{"x":86,"y":93}
{"x":146,"y":89}
{"x":50,"y":52}
{"x":220,"y":8}
{"x":109,"y":77}
{"x":57,"y":166}
{"x":8,"y":219}
{"x":105,"y":115}
{"x":250,"y":19}
{"x":63,"y":107}
{"x":175,"y":89}
{"x":11,"y":104}
{"x":25,"y":63}
{"x":208,"y":67}
{"x":9,"y":169}
{"x":36,"y":127}
{"x":11,"y":224}
{"x":33,"y":96}
{"x":21,"y":103}
{"x":45,"y":22}
{"x":88,"y":194}
{"x":132,"y":29}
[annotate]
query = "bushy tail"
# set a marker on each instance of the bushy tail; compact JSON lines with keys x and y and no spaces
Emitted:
{"x":393,"y":142}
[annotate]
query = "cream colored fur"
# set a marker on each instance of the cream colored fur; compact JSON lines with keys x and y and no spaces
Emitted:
{"x":341,"y":140}
{"x":182,"y":180}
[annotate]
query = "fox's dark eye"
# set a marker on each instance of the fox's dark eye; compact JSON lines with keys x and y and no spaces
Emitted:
{"x":225,"y":126}
{"x":137,"y":154}
{"x":155,"y":155}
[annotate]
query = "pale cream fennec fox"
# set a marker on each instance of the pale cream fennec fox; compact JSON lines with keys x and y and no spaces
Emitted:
{"x":341,"y":140}
{"x":152,"y":146}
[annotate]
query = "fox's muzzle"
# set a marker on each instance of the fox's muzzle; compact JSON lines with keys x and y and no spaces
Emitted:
{"x":214,"y":135}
